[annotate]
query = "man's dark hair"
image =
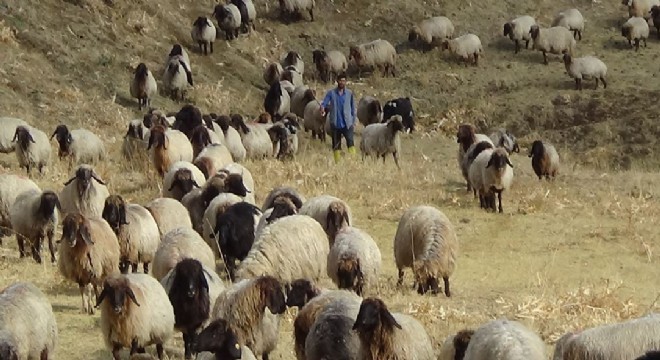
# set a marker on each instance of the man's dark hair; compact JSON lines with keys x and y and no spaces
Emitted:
{"x":341,"y":75}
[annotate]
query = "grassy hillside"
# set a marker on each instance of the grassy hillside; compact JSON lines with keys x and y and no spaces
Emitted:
{"x":574,"y":253}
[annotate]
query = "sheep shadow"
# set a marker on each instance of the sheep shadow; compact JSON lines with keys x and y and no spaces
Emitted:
{"x":406,"y":46}
{"x":620,"y":44}
{"x":126,"y":101}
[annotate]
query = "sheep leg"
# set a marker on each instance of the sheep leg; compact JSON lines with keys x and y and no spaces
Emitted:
{"x":526,"y":44}
{"x":545,"y":58}
{"x":116,"y":347}
{"x":636,"y":44}
{"x":82,"y":296}
{"x":476,"y":59}
{"x":44,"y":354}
{"x":400,"y":281}
{"x":159,"y":351}
{"x":499,"y":201}
{"x":644,"y":39}
{"x":602,"y":79}
{"x":21,"y":245}
{"x":517,"y":47}
{"x":146,"y":268}
{"x":211,"y":46}
{"x":264,"y":356}
{"x":51,"y":247}
{"x":134,"y":267}
{"x":395,"y":155}
{"x":577,"y":84}
{"x":36,"y":249}
{"x":580,"y":34}
{"x":134,"y":346}
{"x":311,"y":14}
{"x":447,"y":292}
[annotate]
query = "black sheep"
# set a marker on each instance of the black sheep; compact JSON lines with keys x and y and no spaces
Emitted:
{"x":403,"y":107}
{"x":219,"y":339}
{"x":187,"y":119}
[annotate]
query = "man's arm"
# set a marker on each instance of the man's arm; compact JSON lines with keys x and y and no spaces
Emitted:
{"x":325,"y":102}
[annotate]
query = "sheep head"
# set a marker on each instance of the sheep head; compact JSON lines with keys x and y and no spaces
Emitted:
{"x":64,"y":139}
{"x":114,"y":212}
{"x":537,"y":149}
{"x":173,"y":66}
{"x":223,"y":121}
{"x":349,"y":274}
{"x":508,"y":29}
{"x":567,"y":59}
{"x":157,"y":138}
{"x":187,"y":119}
{"x":201,"y":22}
{"x":117,"y":289}
{"x":395,"y":123}
{"x":534,"y":31}
{"x":279,"y":134}
{"x":292,"y":57}
{"x":413,"y":34}
{"x":49,"y":201}
{"x":355,"y":54}
{"x":83,"y":176}
{"x":141,"y":71}
{"x":200,"y":138}
{"x":300,"y":292}
{"x":239,"y":124}
{"x":373,"y":314}
{"x":318,"y":57}
{"x":135,"y":131}
{"x":499,"y":159}
{"x":461,"y":342}
{"x":426,"y":277}
{"x":219,"y":339}
{"x":272,"y":295}
{"x":7,"y":351}
{"x":155,"y":117}
{"x":445,"y":44}
{"x":234,"y":184}
{"x":189,"y":279}
{"x":23,"y":137}
{"x":264,"y":118}
{"x":336,"y":219}
{"x":176,"y":50}
{"x":655,"y":11}
{"x":222,"y":182}
{"x":282,"y":206}
{"x":466,"y":135}
{"x":75,"y":227}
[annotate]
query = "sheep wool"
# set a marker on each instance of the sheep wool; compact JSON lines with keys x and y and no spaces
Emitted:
{"x":84,"y":193}
{"x":203,"y":33}
{"x":467,"y":47}
{"x":82,"y":145}
{"x":635,"y":29}
{"x":553,"y":40}
{"x":169,"y":214}
{"x":32,"y":148}
{"x":28,"y":329}
{"x":432,"y":31}
{"x":640,"y":8}
{"x":179,"y":244}
{"x":332,"y":331}
{"x":497,"y":176}
{"x":379,"y":140}
{"x":518,"y":30}
{"x":324,"y":207}
{"x":216,"y":207}
{"x":586,"y":67}
{"x":505,"y":340}
{"x":291,"y":8}
{"x":571,"y":19}
{"x":314,"y":121}
{"x":218,"y":157}
{"x":180,"y":179}
{"x":11,"y":186}
{"x":255,"y":138}
{"x":168,"y":147}
{"x":369,"y":110}
{"x":229,"y":19}
{"x":378,"y":53}
{"x":177,"y":76}
{"x":354,"y":260}
{"x":34,"y":217}
{"x":8,"y":127}
{"x":329,"y":63}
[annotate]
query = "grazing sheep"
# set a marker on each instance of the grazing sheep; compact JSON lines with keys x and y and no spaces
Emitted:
{"x":467,"y":137}
{"x":178,"y":244}
{"x":8,"y":127}
{"x":255,"y":138}
{"x":135,"y":314}
{"x":282,"y":206}
{"x":587,"y":67}
{"x":169,"y":214}
{"x":403,"y":107}
{"x":82,"y":195}
{"x":218,"y":341}
{"x":624,"y":340}
{"x":203,"y":33}
{"x":553,"y":40}
{"x":134,"y":141}
{"x":88,"y":253}
{"x":354,"y":260}
{"x":35,"y":216}
{"x":213,"y":158}
{"x":229,"y":19}
{"x":426,"y":241}
{"x":314,"y":121}
{"x":192,"y":290}
{"x":331,"y":212}
{"x":294,"y":9}
{"x":32,"y":148}
{"x":378,"y":53}
{"x":430,"y":32}
{"x":143,"y":86}
{"x":11,"y":186}
{"x":504,"y":138}
{"x":272,"y":73}
{"x":329,"y":63}
{"x":28,"y":329}
{"x":369,"y":110}
{"x":389,"y":336}
{"x":571,"y":19}
{"x":180,"y":180}
{"x":244,"y":306}
{"x":467,"y":47}
{"x":277,"y":101}
{"x":498,"y":340}
{"x":290,"y":248}
{"x":518,"y":30}
{"x":331,"y":336}
{"x":545,"y":160}
{"x":136,"y":230}
{"x":177,"y":77}
{"x":300,"y":97}
{"x":283,"y":191}
{"x":248,"y":14}
{"x":82,"y":145}
{"x":381,"y":139}
{"x":640,"y":8}
{"x":496,"y":176}
{"x":169,"y":146}
{"x":635,"y":29}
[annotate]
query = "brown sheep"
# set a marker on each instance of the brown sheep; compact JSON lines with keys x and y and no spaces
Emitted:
{"x":545,"y":160}
{"x":199,"y":139}
{"x":206,"y":166}
{"x":169,"y":147}
{"x":264,"y":118}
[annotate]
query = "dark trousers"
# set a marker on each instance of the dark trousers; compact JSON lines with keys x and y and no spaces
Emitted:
{"x":347,"y":133}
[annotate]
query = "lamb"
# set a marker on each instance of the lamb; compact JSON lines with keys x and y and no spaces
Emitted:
{"x":466,"y":46}
{"x":504,"y":138}
{"x":273,"y":252}
{"x":203,"y":33}
{"x":400,"y":106}
{"x":331,"y":336}
{"x":218,"y":342}
{"x":381,"y":139}
{"x":89,"y":252}
{"x":213,"y":158}
{"x":82,"y":195}
{"x":624,"y":340}
{"x":329,"y":63}
{"x":496,"y":176}
{"x":33,"y":148}
{"x":587,"y":67}
{"x":545,"y":160}
{"x":136,"y":230}
{"x":35,"y":216}
{"x":639,"y":8}
{"x":500,"y":339}
{"x":248,"y":14}
{"x":314,"y":121}
{"x":272,"y":73}
{"x":255,"y":138}
{"x":467,"y":136}
{"x":192,"y":290}
{"x":283,"y":191}
{"x":571,"y":19}
{"x":229,"y":19}
{"x":169,"y":214}
{"x":11,"y":186}
{"x":177,"y":77}
{"x":290,"y":9}
{"x":8,"y":126}
{"x":232,"y":138}
{"x":143,"y":86}
{"x":635,"y":29}
{"x":243,"y":305}
{"x":369,"y":110}
{"x":134,"y":315}
{"x":518,"y":30}
{"x":434,"y":249}
{"x":553,"y":40}
{"x":28,"y":328}
{"x":169,"y":146}
{"x":180,"y":180}
{"x":178,"y":244}
{"x":431,"y":31}
{"x":331,"y":212}
{"x":389,"y":336}
{"x":81,"y":145}
{"x":292,"y":75}
{"x":378,"y":53}
{"x":354,"y":260}
{"x":277,"y":101}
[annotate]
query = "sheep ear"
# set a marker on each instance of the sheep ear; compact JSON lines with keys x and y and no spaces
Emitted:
{"x":173,"y":185}
{"x":202,"y":280}
{"x":122,"y":215}
{"x":490,"y":163}
{"x":84,"y":233}
{"x":31,"y":138}
{"x":101,"y":297}
{"x":509,"y":162}
{"x":69,"y":181}
{"x":195,"y":184}
{"x":131,"y":295}
{"x":96,"y":177}
{"x":387,"y":318}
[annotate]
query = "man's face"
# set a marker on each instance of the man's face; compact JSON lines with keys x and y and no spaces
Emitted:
{"x":341,"y":83}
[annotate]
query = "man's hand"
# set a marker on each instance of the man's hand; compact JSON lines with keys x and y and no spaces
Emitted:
{"x":323,"y":112}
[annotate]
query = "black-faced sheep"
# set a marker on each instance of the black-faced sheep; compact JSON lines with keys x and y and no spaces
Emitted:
{"x":292,"y":58}
{"x":314,"y":121}
{"x":655,"y":15}
{"x":283,"y":191}
{"x":329,"y":64}
{"x":218,"y":342}
{"x":11,"y":186}
{"x":586,"y":67}
{"x":177,"y":77}
{"x":33,"y":148}
{"x":294,"y":9}
{"x":143,"y":86}
{"x":81,"y":145}
{"x":84,"y":193}
{"x":466,"y":137}
{"x":282,"y":207}
{"x":474,"y":173}
{"x":331,"y":212}
{"x":545,"y":159}
{"x":248,"y":14}
{"x":331,"y":336}
{"x":181,"y":179}
{"x":187,"y":119}
{"x":35,"y":216}
{"x":379,"y":53}
{"x":203,"y":33}
{"x":201,"y":137}
{"x":379,"y":140}
{"x":430,"y":32}
{"x":553,"y":40}
{"x":651,"y":355}
{"x":8,"y":127}
{"x":635,"y":29}
{"x":229,"y":19}
{"x":255,"y":137}
{"x":402,"y":107}
{"x":491,"y":173}
{"x":169,"y":146}
{"x":571,"y":19}
{"x":504,"y":138}
{"x":466,"y":47}
{"x":232,"y":138}
{"x":277,"y":101}
{"x":518,"y":30}
{"x":272,"y":73}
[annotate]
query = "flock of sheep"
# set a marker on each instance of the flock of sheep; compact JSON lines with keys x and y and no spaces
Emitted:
{"x":274,"y":255}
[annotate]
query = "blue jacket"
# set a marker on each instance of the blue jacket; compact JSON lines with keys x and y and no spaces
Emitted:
{"x":345,"y":118}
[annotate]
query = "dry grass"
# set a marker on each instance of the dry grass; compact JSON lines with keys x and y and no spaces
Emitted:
{"x":574,"y":253}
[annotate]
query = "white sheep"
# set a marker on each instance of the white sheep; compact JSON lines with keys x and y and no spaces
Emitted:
{"x":379,"y":140}
{"x":553,"y":40}
{"x":277,"y":101}
{"x":143,"y":86}
{"x":255,"y":138}
{"x":354,"y":260}
{"x":426,"y":240}
{"x":466,"y":46}
{"x":300,"y":96}
{"x":135,"y":313}
{"x":248,"y":14}
{"x":503,"y":340}
{"x":179,"y":244}
{"x":331,"y":212}
{"x":232,"y":139}
{"x":639,"y":8}
{"x":180,"y":179}
{"x":571,"y":19}
{"x":295,"y":8}
{"x":178,"y":52}
{"x":635,"y":29}
{"x":378,"y":53}
{"x":292,"y":75}
{"x":80,"y":145}
{"x":203,"y":33}
{"x":169,"y":214}
{"x":34,"y":217}
{"x":329,"y":63}
{"x":290,"y":248}
{"x":11,"y":186}
{"x":177,"y":76}
{"x":467,"y":138}
{"x":496,"y":176}
{"x":283,"y":191}
{"x":292,"y":58}
{"x":28,"y":328}
{"x":84,"y":193}
{"x":586,"y":67}
{"x":229,"y":19}
{"x":32,"y":148}
{"x":432,"y":31}
{"x":518,"y":30}
{"x":369,"y":110}
{"x":8,"y":127}
{"x":213,"y":158}
{"x":248,"y":180}
{"x":313,"y":120}
{"x":169,"y":146}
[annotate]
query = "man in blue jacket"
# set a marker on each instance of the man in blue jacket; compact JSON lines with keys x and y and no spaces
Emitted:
{"x":339,"y":105}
